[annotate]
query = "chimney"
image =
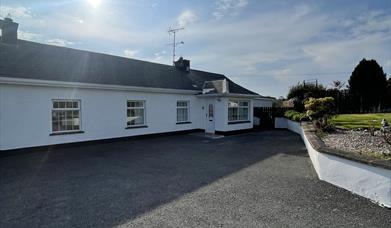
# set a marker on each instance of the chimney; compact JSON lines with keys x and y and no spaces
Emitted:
{"x":182,"y":64}
{"x":9,"y":31}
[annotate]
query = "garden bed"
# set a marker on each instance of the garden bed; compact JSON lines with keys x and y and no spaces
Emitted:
{"x":359,"y":142}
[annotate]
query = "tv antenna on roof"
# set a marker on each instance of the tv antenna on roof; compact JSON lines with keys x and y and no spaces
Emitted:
{"x":174,"y":43}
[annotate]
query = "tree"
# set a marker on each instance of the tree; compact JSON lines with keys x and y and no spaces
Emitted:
{"x":367,"y":84}
{"x":302,"y":91}
{"x":386,"y":102}
{"x":335,"y":91}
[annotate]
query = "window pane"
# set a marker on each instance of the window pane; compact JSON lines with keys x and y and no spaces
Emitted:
{"x":181,"y":103}
{"x":61,"y":115}
{"x":243,"y":113}
{"x":68,"y":115}
{"x":63,"y":125}
{"x":54,"y":125}
{"x":232,"y":114}
{"x":69,"y":125}
{"x":210,"y":111}
{"x":179,"y":115}
{"x":69,"y":104}
{"x":182,"y":114}
{"x":135,"y":104}
{"x":55,"y":104}
{"x":135,"y":117}
{"x":76,"y":120}
{"x":54,"y":116}
{"x":61,"y":104}
{"x":243,"y":103}
{"x":75,"y":104}
{"x":185,"y":115}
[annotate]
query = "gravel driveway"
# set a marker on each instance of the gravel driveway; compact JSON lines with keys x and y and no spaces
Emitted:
{"x":262,"y":179}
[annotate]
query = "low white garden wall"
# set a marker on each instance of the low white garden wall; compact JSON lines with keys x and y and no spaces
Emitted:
{"x":362,"y":179}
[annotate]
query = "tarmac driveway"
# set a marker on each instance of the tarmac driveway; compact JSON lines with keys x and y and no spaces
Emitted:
{"x":262,"y":179}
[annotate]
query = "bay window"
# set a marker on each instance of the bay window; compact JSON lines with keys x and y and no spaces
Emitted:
{"x":238,"y":110}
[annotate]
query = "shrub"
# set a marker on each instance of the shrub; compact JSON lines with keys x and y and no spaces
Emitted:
{"x":298,"y":93}
{"x":320,"y":110}
{"x":294,"y":115}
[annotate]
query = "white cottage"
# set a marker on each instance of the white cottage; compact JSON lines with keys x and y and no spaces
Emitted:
{"x":53,"y":95}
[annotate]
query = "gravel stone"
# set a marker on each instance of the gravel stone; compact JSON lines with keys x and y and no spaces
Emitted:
{"x":357,"y":141}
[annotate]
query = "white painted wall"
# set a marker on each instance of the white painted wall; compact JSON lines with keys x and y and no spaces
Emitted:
{"x":25,"y":116}
{"x":222,"y":121}
{"x":368,"y":181}
{"x":25,"y":119}
{"x":263,"y":102}
{"x":221,"y":114}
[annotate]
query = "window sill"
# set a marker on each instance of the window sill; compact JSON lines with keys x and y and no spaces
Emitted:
{"x":239,"y":122}
{"x":66,"y":133}
{"x":133,"y":127}
{"x":187,"y":122}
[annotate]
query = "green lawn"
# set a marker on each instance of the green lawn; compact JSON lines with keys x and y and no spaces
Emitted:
{"x":350,"y":121}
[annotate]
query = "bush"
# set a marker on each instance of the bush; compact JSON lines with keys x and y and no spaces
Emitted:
{"x":320,"y":110}
{"x":294,"y":115}
{"x":298,"y":93}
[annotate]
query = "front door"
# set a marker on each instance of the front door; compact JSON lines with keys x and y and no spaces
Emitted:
{"x":210,"y":120}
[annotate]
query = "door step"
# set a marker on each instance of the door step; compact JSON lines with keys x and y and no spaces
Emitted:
{"x":213,"y":136}
{"x":208,"y":135}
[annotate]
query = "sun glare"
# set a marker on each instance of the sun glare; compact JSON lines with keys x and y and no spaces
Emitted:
{"x":94,"y":3}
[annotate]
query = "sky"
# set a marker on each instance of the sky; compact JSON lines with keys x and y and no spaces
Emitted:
{"x":265,"y":46}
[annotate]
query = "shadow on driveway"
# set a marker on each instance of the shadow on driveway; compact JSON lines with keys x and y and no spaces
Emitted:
{"x":264,"y":178}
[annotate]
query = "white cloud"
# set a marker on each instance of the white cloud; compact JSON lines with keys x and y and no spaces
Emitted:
{"x":186,"y":17}
{"x":230,"y":7}
{"x":130,"y":53}
{"x":59,"y":42}
{"x":15,"y":12}
{"x":365,"y":36}
{"x":159,"y":57}
{"x":275,"y":49}
{"x":288,"y":45}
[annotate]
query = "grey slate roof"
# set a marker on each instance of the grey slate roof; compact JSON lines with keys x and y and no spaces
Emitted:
{"x":46,"y":62}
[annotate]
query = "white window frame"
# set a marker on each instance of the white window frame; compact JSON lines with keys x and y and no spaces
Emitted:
{"x":66,"y":109}
{"x":133,"y":108}
{"x":187,"y":107}
{"x":238,"y":101}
